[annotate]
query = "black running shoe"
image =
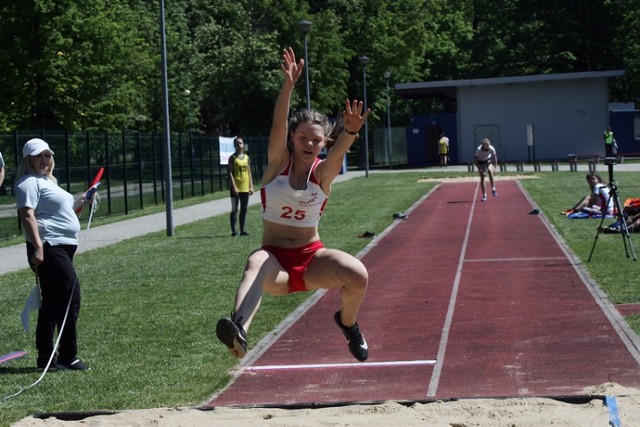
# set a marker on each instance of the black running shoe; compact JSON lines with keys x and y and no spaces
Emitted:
{"x":233,"y":336}
{"x":43,"y":361}
{"x":74,"y":365}
{"x":357,"y":344}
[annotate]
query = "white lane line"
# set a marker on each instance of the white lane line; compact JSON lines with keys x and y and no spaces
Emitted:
{"x":446,"y":328}
{"x":341,"y":365}
{"x":556,"y":258}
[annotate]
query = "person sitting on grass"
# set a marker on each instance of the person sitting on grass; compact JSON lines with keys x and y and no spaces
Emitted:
{"x":633,"y":225}
{"x":598,"y":202}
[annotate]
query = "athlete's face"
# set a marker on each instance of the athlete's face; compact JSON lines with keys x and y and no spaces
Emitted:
{"x":308,"y":139}
{"x":592,"y":180}
{"x":41,"y":163}
{"x":239,"y":145}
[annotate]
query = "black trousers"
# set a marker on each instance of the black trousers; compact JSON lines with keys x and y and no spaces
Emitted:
{"x":59,"y":284}
{"x":610,"y":150}
{"x":243,"y":200}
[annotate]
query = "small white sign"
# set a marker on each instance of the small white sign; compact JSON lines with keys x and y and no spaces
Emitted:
{"x":226,"y":149}
{"x":530,"y":138}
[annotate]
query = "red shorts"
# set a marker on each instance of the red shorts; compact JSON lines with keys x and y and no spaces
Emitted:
{"x":295,"y":261}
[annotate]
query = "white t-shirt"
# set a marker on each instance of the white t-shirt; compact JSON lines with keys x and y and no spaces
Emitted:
{"x":486,"y":156}
{"x":603,"y":194}
{"x":58,"y":224}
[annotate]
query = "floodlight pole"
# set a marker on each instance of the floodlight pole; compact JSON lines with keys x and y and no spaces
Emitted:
{"x":167,"y":134}
{"x":364,"y":60}
{"x":305,"y":27}
{"x":387,"y":75}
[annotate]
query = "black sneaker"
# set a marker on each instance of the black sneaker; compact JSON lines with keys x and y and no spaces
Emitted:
{"x":357,"y":344}
{"x":75,"y":365}
{"x":233,"y":336}
{"x":42,"y":363}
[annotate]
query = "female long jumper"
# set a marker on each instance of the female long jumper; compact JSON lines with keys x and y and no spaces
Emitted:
{"x":295,"y":188}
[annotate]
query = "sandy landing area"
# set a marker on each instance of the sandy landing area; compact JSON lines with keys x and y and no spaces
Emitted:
{"x":514,"y":412}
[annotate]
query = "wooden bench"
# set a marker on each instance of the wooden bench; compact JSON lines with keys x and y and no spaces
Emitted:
{"x":518,"y":163}
{"x":537,"y":165}
{"x":591,"y":159}
{"x":629,"y":156}
{"x":471,"y":166}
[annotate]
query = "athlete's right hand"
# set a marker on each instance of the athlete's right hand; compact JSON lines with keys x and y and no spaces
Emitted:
{"x":289,"y":67}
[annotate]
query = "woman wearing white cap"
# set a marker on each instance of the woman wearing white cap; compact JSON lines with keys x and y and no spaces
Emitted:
{"x":51,"y":227}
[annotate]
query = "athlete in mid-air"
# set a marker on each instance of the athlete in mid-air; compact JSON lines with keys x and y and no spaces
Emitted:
{"x":295,"y":187}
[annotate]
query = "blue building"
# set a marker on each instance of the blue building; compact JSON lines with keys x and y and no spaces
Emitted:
{"x":539,"y":117}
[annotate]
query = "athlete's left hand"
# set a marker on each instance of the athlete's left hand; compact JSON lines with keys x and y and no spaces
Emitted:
{"x":353,"y":117}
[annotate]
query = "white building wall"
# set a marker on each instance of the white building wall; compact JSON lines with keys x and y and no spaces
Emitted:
{"x":568,"y":116}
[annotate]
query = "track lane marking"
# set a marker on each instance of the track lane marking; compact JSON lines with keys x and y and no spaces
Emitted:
{"x":557,"y":258}
{"x":341,"y":365}
{"x":446,"y":328}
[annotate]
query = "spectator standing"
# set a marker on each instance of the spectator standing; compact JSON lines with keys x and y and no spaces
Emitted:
{"x":443,"y":149}
{"x":240,"y":186}
{"x":610,"y":146}
{"x":51,"y":227}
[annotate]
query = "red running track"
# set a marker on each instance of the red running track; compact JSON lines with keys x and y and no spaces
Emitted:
{"x":466,"y":299}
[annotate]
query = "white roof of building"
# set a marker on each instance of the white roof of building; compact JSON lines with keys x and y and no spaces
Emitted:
{"x":426,"y":89}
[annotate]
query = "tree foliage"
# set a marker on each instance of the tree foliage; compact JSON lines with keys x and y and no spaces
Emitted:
{"x":95,"y":64}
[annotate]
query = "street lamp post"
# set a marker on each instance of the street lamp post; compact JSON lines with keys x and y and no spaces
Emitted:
{"x":187,"y":94}
{"x":387,"y":152}
{"x":305,"y":27}
{"x":364,"y":60}
{"x":166,"y":124}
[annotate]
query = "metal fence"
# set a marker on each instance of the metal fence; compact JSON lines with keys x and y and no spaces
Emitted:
{"x":133,"y":163}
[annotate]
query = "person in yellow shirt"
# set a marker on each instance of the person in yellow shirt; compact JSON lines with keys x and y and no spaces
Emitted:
{"x":240,"y":186}
{"x":443,"y":149}
{"x":610,"y":146}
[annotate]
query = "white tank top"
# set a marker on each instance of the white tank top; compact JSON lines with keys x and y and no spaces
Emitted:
{"x":284,"y":205}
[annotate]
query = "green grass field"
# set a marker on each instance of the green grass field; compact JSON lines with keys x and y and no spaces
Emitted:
{"x":150,"y":304}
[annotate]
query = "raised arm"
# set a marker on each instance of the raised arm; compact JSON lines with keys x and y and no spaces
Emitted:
{"x":278,"y":137}
{"x":353,"y":117}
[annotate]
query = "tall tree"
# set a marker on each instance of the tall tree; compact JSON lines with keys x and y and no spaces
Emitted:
{"x":238,"y":77}
{"x":627,"y":49}
{"x":94,"y":64}
{"x":74,"y":65}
